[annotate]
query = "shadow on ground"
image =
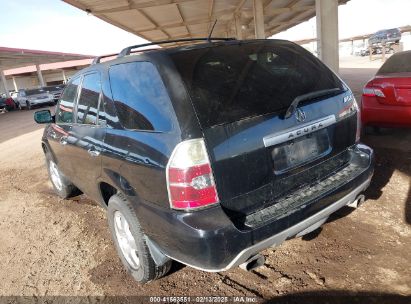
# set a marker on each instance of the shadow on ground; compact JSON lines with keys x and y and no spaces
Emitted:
{"x":389,"y":156}
{"x":393,"y":152}
{"x":23,"y":119}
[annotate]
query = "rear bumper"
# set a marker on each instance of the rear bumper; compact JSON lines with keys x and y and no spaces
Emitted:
{"x":308,"y":224}
{"x":208,"y":240}
{"x":374,"y":113}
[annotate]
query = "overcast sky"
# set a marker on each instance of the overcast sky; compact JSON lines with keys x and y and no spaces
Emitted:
{"x":56,"y":26}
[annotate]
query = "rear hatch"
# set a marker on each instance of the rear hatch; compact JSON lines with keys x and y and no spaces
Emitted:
{"x":240,"y":92}
{"x":393,"y":79}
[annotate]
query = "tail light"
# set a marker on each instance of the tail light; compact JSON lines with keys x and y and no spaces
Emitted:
{"x":190,"y":180}
{"x":372,"y":92}
{"x":351,"y":109}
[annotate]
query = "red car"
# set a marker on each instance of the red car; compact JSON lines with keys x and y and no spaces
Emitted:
{"x":386,"y":99}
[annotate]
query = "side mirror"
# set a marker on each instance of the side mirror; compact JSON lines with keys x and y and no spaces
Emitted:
{"x":43,"y":117}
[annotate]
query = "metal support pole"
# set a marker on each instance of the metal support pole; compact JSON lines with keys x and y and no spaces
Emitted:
{"x":15,"y":84}
{"x":4,"y":82}
{"x":64,"y":76}
{"x":327,"y":32}
{"x":239,"y":32}
{"x":383,"y":52}
{"x":259,"y":19}
{"x":40,"y":76}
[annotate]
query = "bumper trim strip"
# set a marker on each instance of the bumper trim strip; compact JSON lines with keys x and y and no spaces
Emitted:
{"x":295,"y":132}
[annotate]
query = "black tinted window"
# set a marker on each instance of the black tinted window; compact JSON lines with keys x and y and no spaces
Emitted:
{"x":65,"y":107}
{"x":232,"y":82}
{"x":88,"y":100}
{"x":398,"y":63}
{"x":140,"y":97}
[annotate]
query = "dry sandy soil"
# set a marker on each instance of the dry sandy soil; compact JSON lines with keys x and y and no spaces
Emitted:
{"x":54,"y":247}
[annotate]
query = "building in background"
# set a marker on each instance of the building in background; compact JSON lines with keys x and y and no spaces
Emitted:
{"x":53,"y":74}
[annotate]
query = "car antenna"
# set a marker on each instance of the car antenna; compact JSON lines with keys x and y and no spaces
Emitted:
{"x":211,"y":32}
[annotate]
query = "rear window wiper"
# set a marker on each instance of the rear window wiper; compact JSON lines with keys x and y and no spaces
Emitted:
{"x":293,"y":106}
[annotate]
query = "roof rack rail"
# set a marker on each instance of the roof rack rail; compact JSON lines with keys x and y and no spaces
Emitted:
{"x":127,"y":50}
{"x":98,"y":58}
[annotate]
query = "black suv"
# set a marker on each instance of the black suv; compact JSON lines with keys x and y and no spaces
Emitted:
{"x":210,"y":153}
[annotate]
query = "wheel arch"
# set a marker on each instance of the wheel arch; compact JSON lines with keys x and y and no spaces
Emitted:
{"x":107,"y":191}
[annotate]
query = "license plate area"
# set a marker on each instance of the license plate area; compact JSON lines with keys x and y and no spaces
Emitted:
{"x":294,"y":153}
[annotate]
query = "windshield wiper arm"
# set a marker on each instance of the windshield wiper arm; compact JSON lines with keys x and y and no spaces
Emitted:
{"x":293,"y":106}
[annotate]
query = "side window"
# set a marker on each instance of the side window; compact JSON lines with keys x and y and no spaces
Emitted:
{"x":65,"y":107}
{"x":88,"y":101}
{"x":140,"y":97}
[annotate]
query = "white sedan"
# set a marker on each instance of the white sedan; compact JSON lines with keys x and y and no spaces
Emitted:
{"x":29,"y":98}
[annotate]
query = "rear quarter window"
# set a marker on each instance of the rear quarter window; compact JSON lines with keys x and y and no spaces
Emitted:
{"x":140,"y":97}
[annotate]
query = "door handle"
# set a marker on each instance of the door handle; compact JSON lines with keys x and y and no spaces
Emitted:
{"x":63,"y":140}
{"x":93,"y":152}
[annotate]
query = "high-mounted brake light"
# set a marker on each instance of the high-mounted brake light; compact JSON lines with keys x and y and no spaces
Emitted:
{"x":190,"y":180}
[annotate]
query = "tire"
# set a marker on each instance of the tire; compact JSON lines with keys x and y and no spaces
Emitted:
{"x":145,"y":269}
{"x":28,"y":105}
{"x":61,"y":185}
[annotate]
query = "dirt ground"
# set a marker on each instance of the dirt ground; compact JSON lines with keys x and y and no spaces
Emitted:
{"x":54,"y":247}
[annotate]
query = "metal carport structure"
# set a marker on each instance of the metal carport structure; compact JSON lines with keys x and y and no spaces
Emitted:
{"x":244,"y":19}
{"x":11,"y":58}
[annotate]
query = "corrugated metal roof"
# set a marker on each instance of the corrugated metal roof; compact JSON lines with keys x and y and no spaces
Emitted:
{"x":11,"y":58}
{"x":50,"y":66}
{"x":173,"y":19}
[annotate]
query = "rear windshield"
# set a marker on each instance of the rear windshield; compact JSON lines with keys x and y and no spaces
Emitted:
{"x":232,"y":82}
{"x":35,"y":91}
{"x":398,"y":63}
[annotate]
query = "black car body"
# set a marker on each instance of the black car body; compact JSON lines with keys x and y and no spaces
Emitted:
{"x":258,"y":174}
{"x":385,"y":36}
